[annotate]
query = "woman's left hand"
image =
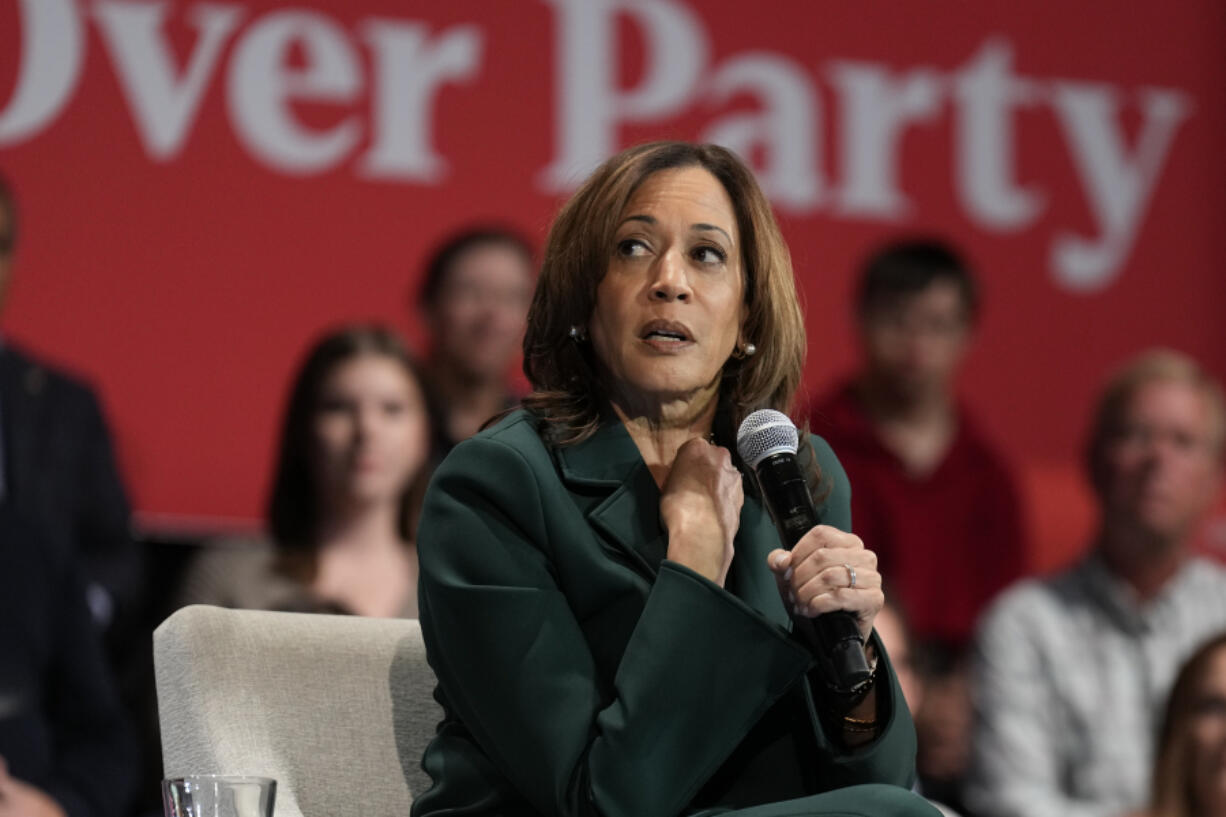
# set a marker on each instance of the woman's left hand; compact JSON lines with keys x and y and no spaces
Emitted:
{"x":829,"y":570}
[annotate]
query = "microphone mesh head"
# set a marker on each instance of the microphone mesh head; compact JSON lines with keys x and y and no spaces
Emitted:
{"x":763,"y":433}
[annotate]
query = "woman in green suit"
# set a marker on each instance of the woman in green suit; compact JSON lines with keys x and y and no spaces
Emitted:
{"x":603,"y":596}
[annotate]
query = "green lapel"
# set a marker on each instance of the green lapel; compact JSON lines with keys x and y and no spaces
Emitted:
{"x":607,"y":474}
{"x":749,"y":579}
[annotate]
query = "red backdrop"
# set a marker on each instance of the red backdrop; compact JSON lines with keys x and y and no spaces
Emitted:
{"x":204,"y":186}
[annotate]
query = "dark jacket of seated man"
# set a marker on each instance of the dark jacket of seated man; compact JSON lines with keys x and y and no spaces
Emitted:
{"x":62,"y":731}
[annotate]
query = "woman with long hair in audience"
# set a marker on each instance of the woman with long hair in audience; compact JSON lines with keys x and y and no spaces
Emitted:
{"x":1190,"y":773}
{"x":350,"y":474}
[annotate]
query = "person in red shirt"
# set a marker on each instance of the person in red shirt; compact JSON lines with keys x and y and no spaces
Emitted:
{"x":927,"y":487}
{"x":935,"y":498}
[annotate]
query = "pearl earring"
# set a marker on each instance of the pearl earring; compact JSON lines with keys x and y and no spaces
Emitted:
{"x":750,"y":349}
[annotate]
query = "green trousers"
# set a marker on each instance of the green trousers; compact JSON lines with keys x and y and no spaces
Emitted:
{"x":872,"y":800}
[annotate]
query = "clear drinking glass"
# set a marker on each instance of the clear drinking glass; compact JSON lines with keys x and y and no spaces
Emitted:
{"x":217,"y":795}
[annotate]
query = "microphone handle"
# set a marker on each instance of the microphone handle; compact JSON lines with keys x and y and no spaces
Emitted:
{"x":833,"y":637}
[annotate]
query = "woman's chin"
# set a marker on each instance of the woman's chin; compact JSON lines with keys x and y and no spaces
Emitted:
{"x":666,"y":387}
{"x":367,"y":492}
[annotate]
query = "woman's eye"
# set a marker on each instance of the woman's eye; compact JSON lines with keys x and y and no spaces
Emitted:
{"x":1211,"y":705}
{"x":709,"y":255}
{"x":629,"y":247}
{"x":333,"y":406}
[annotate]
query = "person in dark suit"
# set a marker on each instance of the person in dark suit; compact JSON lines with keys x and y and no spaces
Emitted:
{"x":66,"y":749}
{"x":603,"y":595}
{"x":57,"y":467}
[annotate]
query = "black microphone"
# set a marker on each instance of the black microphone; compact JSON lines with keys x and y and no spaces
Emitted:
{"x":767,"y":441}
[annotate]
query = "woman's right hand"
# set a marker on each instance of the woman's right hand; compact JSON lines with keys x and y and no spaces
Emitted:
{"x":700,"y":507}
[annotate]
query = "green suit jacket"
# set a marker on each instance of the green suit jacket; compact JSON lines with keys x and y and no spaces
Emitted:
{"x":582,"y":673}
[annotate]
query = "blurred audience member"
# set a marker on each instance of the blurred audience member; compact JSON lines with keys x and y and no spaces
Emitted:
{"x":65,"y":747}
{"x":943,"y":725}
{"x":1072,"y":670}
{"x":57,"y":468}
{"x":1190,"y":772}
{"x":474,"y":296}
{"x":931,"y":493}
{"x":933,"y":497}
{"x":895,"y":634}
{"x":349,"y":479}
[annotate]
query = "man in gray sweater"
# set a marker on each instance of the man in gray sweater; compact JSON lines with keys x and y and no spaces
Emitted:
{"x":1072,"y":670}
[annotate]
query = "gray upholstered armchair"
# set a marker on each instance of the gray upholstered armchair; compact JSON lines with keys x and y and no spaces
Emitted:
{"x":337,"y":708}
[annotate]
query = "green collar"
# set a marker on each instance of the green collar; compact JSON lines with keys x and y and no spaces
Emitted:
{"x":629,"y":516}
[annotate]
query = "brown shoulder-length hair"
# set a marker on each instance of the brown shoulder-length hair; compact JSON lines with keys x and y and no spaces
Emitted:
{"x":1173,"y":795}
{"x":568,"y":394}
{"x":293,"y":511}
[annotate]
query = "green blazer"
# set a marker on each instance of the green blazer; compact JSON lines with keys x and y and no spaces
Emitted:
{"x":582,"y":673}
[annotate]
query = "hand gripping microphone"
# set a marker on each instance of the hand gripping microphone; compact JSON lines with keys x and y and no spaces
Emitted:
{"x":767,"y":442}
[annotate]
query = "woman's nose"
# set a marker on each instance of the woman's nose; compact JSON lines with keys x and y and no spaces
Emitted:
{"x":364,"y":425}
{"x":672,"y":283}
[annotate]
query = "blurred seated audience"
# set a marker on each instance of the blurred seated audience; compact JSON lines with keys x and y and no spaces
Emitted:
{"x":894,"y":630}
{"x":1190,"y":771}
{"x":895,"y":634}
{"x":350,"y":475}
{"x":66,"y":749}
{"x":474,"y":297}
{"x":1072,"y":670}
{"x":57,"y":469}
{"x":933,"y":496}
{"x":943,"y":724}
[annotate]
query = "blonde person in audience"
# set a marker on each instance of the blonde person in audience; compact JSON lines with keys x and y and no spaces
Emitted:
{"x":1190,"y":773}
{"x":1072,"y":670}
{"x":349,"y":479}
